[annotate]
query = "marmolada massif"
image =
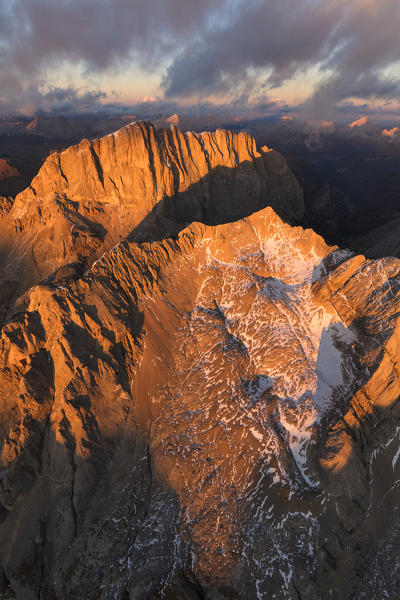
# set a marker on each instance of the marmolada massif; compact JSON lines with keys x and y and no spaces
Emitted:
{"x":199,"y":396}
{"x":199,"y":300}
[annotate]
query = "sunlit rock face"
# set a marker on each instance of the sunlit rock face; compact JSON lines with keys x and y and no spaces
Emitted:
{"x":212,"y":415}
{"x":140,"y":181}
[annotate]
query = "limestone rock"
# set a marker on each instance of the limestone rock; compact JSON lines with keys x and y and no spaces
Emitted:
{"x":142,"y":181}
{"x":212,"y":414}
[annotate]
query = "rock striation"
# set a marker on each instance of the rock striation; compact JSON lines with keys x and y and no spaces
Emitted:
{"x":142,"y":181}
{"x":206,"y":411}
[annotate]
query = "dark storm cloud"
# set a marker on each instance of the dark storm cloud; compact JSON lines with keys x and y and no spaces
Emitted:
{"x":204,"y":47}
{"x":98,"y":34}
{"x":282,"y":36}
{"x":355,"y":39}
{"x":68,"y":100}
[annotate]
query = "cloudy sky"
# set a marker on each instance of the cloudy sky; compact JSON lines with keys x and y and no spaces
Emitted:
{"x":322,"y":58}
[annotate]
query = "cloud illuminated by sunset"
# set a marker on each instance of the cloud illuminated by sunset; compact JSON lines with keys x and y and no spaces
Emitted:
{"x":312,"y":56}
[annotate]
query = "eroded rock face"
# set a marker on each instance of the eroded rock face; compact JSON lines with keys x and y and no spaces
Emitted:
{"x":197,"y":417}
{"x":209,"y":415}
{"x":142,"y":181}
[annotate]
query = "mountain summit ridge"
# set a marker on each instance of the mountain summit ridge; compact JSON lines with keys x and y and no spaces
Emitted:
{"x":192,"y":409}
{"x":89,"y":197}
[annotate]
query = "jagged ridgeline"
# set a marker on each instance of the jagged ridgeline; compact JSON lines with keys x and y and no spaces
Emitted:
{"x":199,"y":399}
{"x":140,"y":181}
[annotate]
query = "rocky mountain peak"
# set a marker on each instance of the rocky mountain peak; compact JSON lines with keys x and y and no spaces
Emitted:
{"x":199,"y":399}
{"x":141,"y":181}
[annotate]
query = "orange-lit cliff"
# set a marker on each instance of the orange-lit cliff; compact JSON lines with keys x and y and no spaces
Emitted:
{"x":199,"y":399}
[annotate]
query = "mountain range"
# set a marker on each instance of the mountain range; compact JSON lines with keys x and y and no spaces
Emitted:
{"x":199,"y":393}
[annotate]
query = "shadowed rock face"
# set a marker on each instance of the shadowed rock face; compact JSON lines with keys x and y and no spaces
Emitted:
{"x":208,"y":415}
{"x":11,"y":180}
